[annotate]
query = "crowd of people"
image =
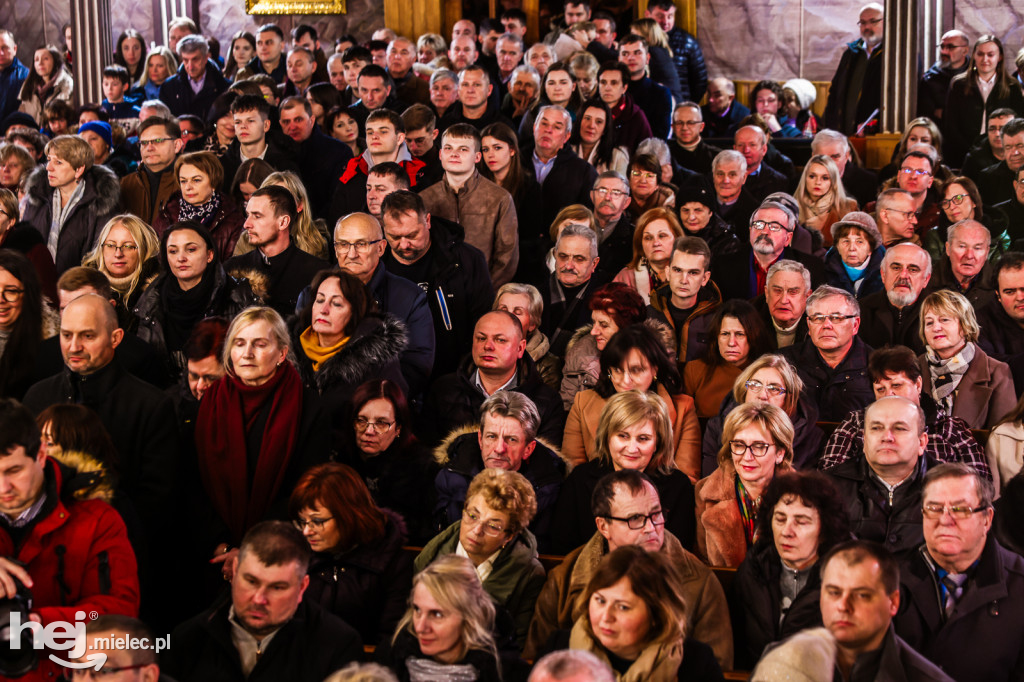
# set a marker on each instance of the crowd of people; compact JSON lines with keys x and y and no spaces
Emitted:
{"x":477,"y":359}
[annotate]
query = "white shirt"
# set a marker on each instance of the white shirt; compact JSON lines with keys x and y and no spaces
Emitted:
{"x":483,"y":571}
{"x":985,"y":87}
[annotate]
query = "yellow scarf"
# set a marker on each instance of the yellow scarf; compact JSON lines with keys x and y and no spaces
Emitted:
{"x":314,"y":351}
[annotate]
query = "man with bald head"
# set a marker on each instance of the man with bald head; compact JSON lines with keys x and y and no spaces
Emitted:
{"x":954,"y":55}
{"x":965,"y":269}
{"x":882,"y":488}
{"x":856,"y":89}
{"x":891,"y":317}
{"x":359,"y":244}
{"x":138,"y":417}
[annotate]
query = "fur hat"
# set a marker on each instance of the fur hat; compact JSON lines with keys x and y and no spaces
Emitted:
{"x":860,"y":221}
{"x":804,"y":90}
{"x":807,"y":656}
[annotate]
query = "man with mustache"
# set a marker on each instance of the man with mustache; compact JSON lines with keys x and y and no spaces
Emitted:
{"x":568,"y":289}
{"x":744,"y":274}
{"x":891,"y":317}
{"x":614,"y":224}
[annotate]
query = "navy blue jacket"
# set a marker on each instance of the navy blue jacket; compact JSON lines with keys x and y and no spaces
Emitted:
{"x":11,"y":80}
{"x":176,"y":92}
{"x":406,"y":302}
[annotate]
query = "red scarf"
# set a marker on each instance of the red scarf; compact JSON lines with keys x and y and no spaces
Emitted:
{"x":226,"y":414}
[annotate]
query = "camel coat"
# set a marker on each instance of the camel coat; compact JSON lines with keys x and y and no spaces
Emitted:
{"x":579,"y":443}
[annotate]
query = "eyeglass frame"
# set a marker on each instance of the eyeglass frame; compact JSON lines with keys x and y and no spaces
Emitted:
{"x":604,"y":192}
{"x":155,"y":141}
{"x":919,"y":172}
{"x":18,"y":293}
{"x":743,"y":452}
{"x":470,"y":519}
{"x":315,"y":524}
{"x":363,"y":424}
{"x":645,"y":517}
{"x":767,"y":225}
{"x":771,"y":389}
{"x":964,"y":510}
{"x":834,"y":318}
{"x":952,"y":201}
{"x":103,"y":672}
{"x":871,"y":22}
{"x":360,"y":246}
{"x":123,"y":248}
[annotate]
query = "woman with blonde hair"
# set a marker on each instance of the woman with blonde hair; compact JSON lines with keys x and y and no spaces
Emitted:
{"x":447,"y":631}
{"x":308,"y":234}
{"x":821,"y":197}
{"x":655,"y":233}
{"x":634,"y":431}
{"x":957,"y":373}
{"x":757,"y":443}
{"x":635,"y":621}
{"x":493,"y":533}
{"x":127,"y":251}
{"x":160,"y":65}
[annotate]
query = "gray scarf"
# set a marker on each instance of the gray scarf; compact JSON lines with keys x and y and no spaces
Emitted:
{"x":58,"y":215}
{"x":946,"y":374}
{"x":427,"y":670}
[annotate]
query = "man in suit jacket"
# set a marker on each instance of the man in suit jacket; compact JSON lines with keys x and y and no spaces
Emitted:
{"x":564,"y":177}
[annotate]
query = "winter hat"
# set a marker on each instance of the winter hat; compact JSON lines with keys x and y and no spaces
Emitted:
{"x":101,"y":128}
{"x":18,"y":118}
{"x":807,"y":656}
{"x":691,"y":192}
{"x":804,"y":90}
{"x":860,"y":221}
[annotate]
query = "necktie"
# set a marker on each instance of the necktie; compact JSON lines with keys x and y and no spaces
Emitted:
{"x":954,"y":583}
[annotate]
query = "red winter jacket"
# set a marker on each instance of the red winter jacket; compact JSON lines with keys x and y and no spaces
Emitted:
{"x":79,"y":558}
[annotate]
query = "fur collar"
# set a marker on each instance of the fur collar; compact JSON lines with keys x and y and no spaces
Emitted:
{"x":443,"y":450}
{"x":102,"y":189}
{"x":90,"y":479}
{"x":376,"y":343}
{"x":258,"y":280}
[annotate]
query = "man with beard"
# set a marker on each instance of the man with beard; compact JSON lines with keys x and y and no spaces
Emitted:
{"x":954,"y":54}
{"x":891,"y":317}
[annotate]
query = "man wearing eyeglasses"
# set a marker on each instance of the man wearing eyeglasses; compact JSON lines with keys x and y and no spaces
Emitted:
{"x":614,"y":223}
{"x":897,"y":217}
{"x":997,"y":183}
{"x":882,"y":490}
{"x":962,"y":593}
{"x":113,"y":636}
{"x":689,"y":150}
{"x":744,"y":274}
{"x":145,"y":191}
{"x":359,"y":244}
{"x":832,"y":361}
{"x":989,"y":150}
{"x":916,"y":175}
{"x":954,"y":50}
{"x":856,"y":90}
{"x":627,"y":511}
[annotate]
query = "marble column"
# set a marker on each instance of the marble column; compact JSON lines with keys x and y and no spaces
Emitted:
{"x":90,"y":26}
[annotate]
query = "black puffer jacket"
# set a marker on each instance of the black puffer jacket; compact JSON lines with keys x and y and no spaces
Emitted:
{"x":368,"y":586}
{"x":98,"y":204}
{"x":689,"y":61}
{"x":757,"y":618}
{"x":230,"y":296}
{"x":372,"y":352}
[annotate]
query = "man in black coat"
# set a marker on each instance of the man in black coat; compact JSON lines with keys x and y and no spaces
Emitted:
{"x":954,"y":58}
{"x":686,"y":52}
{"x":891,"y":317}
{"x":614,"y":223}
{"x":1013,"y":209}
{"x":566,"y":292}
{"x":722,"y":113}
{"x":743,"y":274}
{"x":856,"y":90}
{"x":881,"y":489}
{"x":689,"y":150}
{"x":432,"y":253}
{"x":1002,"y":320}
{"x":762,"y":179}
{"x":229,"y":641}
{"x":962,"y":593}
{"x":784,"y":302}
{"x":321,"y":158}
{"x":177,"y":91}
{"x":271,"y":212}
{"x":997,"y":183}
{"x":832,"y":362}
{"x":255,"y":138}
{"x":498,"y":361}
{"x":563,"y":176}
{"x":138,"y":417}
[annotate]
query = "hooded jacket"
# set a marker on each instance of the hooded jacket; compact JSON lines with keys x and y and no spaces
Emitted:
{"x":97,"y":205}
{"x":459,"y":459}
{"x":372,"y":352}
{"x":77,"y":552}
{"x":516,"y":578}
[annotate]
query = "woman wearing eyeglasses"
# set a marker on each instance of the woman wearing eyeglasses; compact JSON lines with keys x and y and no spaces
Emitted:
{"x":645,"y":190}
{"x":757,"y":443}
{"x":634,"y":432}
{"x":974,"y":94}
{"x":341,"y":341}
{"x":191,"y":286}
{"x":126,"y":251}
{"x":957,"y":373}
{"x":25,"y":320}
{"x":200,"y":175}
{"x":493,"y":534}
{"x":383,"y":450}
{"x":360,"y":570}
{"x":769,"y":379}
{"x":778,"y":585}
{"x":961,"y":200}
